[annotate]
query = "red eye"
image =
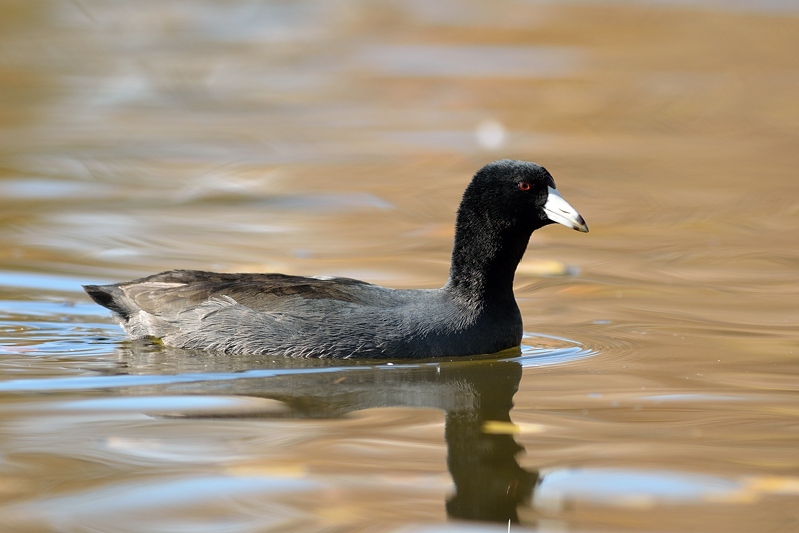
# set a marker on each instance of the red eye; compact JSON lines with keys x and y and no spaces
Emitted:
{"x":524,"y":186}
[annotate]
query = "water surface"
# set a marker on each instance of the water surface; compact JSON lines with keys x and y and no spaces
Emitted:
{"x":656,"y":388}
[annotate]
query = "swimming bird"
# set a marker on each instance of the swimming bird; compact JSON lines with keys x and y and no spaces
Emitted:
{"x":475,"y":312}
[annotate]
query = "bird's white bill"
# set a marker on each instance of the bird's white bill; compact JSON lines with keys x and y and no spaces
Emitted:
{"x":558,"y":210}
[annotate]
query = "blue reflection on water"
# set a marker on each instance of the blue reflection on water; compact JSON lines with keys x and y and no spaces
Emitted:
{"x":628,"y":487}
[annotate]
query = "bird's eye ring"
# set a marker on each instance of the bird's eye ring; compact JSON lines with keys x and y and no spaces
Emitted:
{"x":524,"y":186}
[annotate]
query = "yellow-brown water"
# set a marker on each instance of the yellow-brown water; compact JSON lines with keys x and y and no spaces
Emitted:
{"x":658,"y":386}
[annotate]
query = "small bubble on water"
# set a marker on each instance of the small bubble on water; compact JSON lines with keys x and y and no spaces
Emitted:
{"x":490,"y":134}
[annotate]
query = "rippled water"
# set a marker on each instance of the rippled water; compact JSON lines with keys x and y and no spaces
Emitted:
{"x":656,"y":388}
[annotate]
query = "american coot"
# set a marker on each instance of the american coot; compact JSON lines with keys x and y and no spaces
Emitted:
{"x":275,"y":314}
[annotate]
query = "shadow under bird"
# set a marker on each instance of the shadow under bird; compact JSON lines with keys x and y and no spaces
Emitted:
{"x":475,"y":312}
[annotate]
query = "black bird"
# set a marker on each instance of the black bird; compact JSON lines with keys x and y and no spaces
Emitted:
{"x":475,"y":312}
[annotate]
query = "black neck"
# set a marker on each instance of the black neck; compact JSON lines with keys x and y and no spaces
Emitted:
{"x":485,"y":256}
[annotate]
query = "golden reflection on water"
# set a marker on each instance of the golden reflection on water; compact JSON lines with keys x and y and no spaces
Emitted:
{"x":335,"y":139}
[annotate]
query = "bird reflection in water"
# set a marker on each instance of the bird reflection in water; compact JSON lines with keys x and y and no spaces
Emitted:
{"x":474,"y":393}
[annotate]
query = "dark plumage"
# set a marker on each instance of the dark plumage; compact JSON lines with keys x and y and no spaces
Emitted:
{"x":275,"y":314}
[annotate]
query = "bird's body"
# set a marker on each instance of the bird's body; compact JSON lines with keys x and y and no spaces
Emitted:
{"x":306,"y":317}
{"x":275,"y":314}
